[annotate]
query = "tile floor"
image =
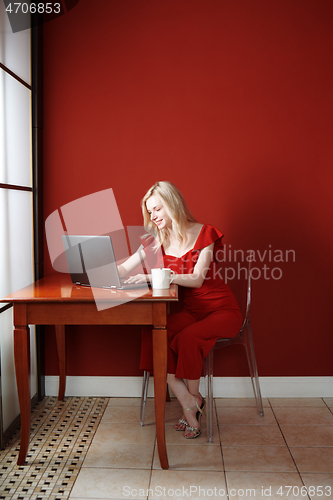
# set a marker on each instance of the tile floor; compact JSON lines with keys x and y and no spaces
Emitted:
{"x":94,"y":448}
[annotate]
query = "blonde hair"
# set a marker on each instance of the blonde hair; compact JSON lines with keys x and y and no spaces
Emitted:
{"x":176,"y":207}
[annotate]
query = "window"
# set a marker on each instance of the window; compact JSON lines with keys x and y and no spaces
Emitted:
{"x":16,"y":197}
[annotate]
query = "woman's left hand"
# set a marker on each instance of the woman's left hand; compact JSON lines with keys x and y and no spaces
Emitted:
{"x":139,"y":278}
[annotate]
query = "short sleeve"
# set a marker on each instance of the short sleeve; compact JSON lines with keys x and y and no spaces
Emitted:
{"x":209,"y":234}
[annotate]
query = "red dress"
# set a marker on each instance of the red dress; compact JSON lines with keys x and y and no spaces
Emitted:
{"x":209,"y":312}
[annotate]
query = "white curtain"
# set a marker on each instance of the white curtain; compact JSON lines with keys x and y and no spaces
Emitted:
{"x":16,"y":225}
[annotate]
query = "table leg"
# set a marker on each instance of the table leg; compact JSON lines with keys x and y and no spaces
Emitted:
{"x":160,"y":371}
{"x":61,"y":348}
{"x":22,"y":368}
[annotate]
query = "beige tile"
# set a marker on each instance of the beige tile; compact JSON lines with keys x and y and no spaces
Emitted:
{"x":110,"y":484}
{"x":176,"y":437}
{"x":244,"y":416}
{"x":205,"y":418}
{"x":172,"y":413}
{"x":121,"y":402}
{"x":296,"y":402}
{"x":127,"y":415}
{"x":187,"y":457}
{"x":313,"y":459}
{"x":173,"y":485}
{"x":124,"y":433}
{"x":258,"y":458}
{"x":263,"y":485}
{"x":319,"y":485}
{"x":62,"y":435}
{"x":308,"y":435}
{"x":251,"y":435}
{"x":120,"y":456}
{"x":239,"y":402}
{"x":303,"y":416}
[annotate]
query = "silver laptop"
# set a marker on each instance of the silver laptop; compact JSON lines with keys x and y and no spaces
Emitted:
{"x":91,"y":261}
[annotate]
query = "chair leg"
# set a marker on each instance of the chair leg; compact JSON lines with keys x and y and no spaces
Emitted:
{"x":251,"y":359}
{"x":209,"y":361}
{"x":145,"y":383}
{"x":167,"y":397}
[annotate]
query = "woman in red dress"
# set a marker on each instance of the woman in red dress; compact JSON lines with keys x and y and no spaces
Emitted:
{"x":210,"y":310}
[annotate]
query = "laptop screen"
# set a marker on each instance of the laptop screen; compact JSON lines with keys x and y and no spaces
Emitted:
{"x":91,"y":260}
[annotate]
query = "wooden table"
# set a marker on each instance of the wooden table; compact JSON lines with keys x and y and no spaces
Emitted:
{"x":54,"y":300}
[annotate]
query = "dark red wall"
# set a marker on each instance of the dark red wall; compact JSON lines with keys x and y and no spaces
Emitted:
{"x":230,"y":100}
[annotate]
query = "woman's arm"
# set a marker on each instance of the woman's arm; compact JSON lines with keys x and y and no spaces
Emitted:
{"x":131,"y":263}
{"x":196,"y":279}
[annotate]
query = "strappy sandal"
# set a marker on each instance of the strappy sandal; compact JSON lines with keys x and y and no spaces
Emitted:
{"x":182,"y":422}
{"x":196,"y":430}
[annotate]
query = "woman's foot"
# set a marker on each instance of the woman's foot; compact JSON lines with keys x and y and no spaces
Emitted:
{"x":193,"y":416}
{"x":181,"y":424}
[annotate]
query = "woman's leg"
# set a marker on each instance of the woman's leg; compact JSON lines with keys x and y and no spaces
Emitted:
{"x":193,"y":343}
{"x":193,"y":387}
{"x":189,"y":346}
{"x":187,"y":400}
{"x":176,"y":323}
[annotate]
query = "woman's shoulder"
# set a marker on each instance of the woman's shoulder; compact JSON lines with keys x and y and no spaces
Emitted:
{"x":208,"y":234}
{"x":195,"y":229}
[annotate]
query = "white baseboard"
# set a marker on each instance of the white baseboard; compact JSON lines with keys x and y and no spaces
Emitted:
{"x":224,"y":387}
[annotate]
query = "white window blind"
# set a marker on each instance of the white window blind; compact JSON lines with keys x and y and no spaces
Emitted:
{"x":16,"y":224}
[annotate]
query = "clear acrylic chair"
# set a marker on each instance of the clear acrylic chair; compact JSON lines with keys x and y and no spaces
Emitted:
{"x":145,"y":382}
{"x":244,"y":337}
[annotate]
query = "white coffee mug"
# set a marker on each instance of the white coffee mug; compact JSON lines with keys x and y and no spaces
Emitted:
{"x":162,"y":278}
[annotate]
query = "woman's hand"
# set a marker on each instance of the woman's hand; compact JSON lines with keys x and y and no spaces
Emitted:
{"x":131,"y":263}
{"x":139,"y":278}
